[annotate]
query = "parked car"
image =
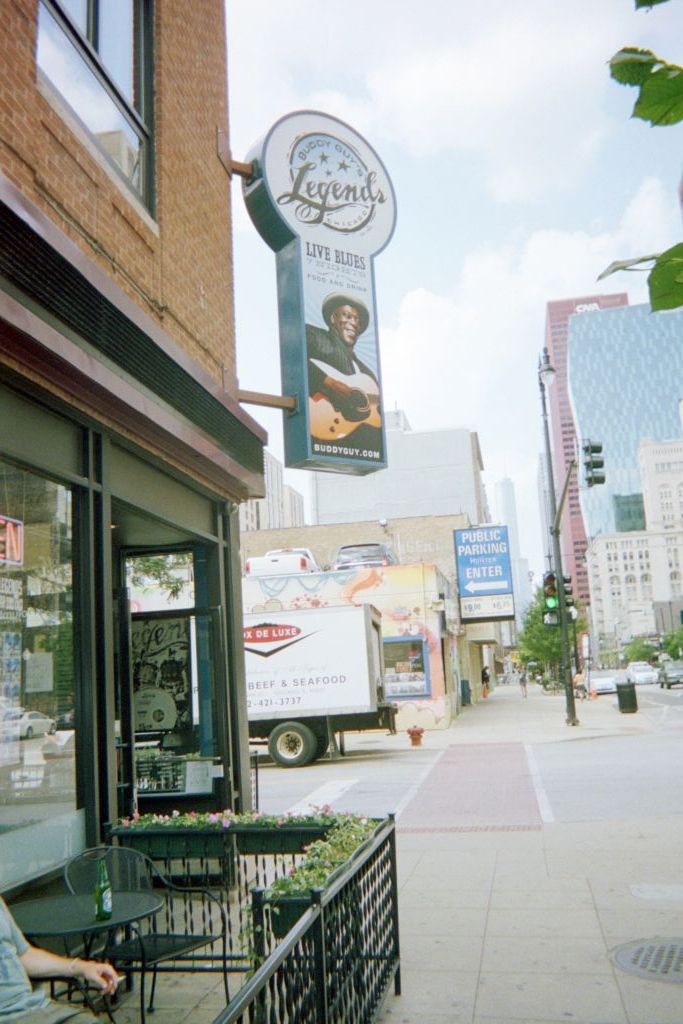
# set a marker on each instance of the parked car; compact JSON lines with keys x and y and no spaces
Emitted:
{"x":281,"y":562}
{"x":641,"y":672}
{"x":351,"y":556}
{"x":671,"y":674}
{"x":32,"y":723}
{"x":604,"y":682}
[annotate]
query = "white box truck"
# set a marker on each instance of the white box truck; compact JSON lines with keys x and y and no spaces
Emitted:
{"x":313,"y":673}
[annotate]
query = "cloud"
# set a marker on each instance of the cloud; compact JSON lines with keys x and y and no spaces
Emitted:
{"x":523,"y":87}
{"x":468,"y":358}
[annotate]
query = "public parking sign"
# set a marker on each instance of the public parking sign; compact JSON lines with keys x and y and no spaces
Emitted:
{"x":482,"y":555}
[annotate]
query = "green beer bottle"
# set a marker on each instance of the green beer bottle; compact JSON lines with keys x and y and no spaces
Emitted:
{"x":102,"y":893}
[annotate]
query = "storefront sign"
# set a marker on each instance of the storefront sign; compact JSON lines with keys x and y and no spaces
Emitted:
{"x":482,"y":555}
{"x":11,"y":541}
{"x":322,"y":199}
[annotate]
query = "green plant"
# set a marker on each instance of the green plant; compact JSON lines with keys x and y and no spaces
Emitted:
{"x":323,"y":857}
{"x":227,"y":819}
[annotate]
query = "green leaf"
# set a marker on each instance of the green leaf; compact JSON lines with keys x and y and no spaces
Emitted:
{"x":631,"y":66}
{"x":649,"y":3}
{"x":625,"y":265}
{"x":666,"y":280}
{"x":661,"y":97}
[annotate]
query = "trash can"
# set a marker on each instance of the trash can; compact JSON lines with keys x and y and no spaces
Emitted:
{"x":626,"y":695}
{"x":465,"y":692}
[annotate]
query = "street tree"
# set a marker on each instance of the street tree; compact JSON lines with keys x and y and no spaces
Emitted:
{"x":660,"y":103}
{"x":639,"y":650}
{"x":672,"y":643}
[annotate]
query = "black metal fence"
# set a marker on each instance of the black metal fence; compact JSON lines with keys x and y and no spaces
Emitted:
{"x":337,"y":962}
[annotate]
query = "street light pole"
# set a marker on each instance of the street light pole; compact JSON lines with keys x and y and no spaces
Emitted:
{"x":546,"y":373}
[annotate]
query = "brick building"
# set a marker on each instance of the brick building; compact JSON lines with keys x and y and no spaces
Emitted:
{"x":123,"y":449}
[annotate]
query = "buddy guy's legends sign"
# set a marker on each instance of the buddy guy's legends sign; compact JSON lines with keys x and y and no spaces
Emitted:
{"x":322,"y":199}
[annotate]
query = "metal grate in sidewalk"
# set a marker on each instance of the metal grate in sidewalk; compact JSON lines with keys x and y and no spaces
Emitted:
{"x":657,"y":959}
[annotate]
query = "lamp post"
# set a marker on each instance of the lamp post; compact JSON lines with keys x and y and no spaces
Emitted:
{"x":546,"y":374}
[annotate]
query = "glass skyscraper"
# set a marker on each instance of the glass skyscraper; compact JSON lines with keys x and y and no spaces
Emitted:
{"x":625,"y":380}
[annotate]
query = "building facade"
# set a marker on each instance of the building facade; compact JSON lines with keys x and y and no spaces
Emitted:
{"x":637,"y":576}
{"x":123,"y":449}
{"x":281,"y":506}
{"x":430,"y":472}
{"x":625,"y":368}
{"x":564,"y":432}
{"x":506,"y":512}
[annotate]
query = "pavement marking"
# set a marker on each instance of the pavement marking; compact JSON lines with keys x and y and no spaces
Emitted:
{"x":401,"y":806}
{"x":671,"y":893}
{"x":321,"y":796}
{"x":544,"y":805}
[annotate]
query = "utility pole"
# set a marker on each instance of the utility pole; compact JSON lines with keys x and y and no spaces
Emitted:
{"x":546,"y":372}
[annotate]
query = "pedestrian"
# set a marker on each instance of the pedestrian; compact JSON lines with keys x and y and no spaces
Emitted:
{"x":485,"y":681}
{"x":522,"y":681}
{"x":20,"y":962}
{"x":580,"y":689}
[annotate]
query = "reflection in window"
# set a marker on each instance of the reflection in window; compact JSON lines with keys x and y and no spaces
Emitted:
{"x":107,"y":95}
{"x":37,"y":711}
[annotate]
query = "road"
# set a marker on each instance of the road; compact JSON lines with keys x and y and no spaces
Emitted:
{"x":598,"y":778}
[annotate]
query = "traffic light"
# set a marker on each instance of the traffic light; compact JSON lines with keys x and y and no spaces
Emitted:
{"x":568,"y":596}
{"x":550,"y":591}
{"x":593,"y":463}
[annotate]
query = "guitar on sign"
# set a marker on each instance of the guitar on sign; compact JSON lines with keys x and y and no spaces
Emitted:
{"x":334,"y":414}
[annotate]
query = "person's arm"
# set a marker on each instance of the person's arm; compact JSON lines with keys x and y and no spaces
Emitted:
{"x":39,"y":963}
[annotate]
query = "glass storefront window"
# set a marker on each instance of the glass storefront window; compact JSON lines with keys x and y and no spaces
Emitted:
{"x":39,"y":822}
{"x":406,"y":663}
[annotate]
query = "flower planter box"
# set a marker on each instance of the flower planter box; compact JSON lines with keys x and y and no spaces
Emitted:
{"x":282,"y":839}
{"x":286,"y":912}
{"x":160,"y":843}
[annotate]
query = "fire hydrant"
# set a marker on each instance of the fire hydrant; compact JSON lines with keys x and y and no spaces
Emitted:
{"x":415,"y":733}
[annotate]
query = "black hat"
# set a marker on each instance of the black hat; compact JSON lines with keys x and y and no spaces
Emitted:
{"x":337,"y":299}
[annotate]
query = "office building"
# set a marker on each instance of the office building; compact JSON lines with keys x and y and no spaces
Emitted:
{"x":281,"y":506}
{"x":625,"y":373}
{"x":562,"y":429}
{"x":505,"y":505}
{"x":430,"y":473}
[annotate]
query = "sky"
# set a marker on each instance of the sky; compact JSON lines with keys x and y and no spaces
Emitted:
{"x":519,"y":176}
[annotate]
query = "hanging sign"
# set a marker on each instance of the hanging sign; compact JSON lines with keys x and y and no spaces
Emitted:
{"x":482,"y":555}
{"x":322,"y":199}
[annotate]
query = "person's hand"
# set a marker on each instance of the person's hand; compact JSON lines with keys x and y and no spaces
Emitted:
{"x":338,"y":386}
{"x":99,"y":975}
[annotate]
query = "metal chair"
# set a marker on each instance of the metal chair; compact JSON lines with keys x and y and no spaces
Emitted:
{"x":171,"y":939}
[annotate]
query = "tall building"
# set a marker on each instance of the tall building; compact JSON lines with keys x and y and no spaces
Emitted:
{"x":633,"y":573}
{"x":430,"y":473}
{"x":625,"y":373}
{"x":563,"y":433}
{"x":505,"y":504}
{"x":281,"y":505}
{"x":123,"y":447}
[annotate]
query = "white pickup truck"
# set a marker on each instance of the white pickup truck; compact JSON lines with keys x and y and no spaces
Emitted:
{"x":281,"y":562}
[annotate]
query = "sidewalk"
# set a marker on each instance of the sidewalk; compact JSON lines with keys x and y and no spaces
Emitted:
{"x":507,"y":918}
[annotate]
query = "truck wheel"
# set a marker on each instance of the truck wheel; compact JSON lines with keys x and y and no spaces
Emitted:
{"x":292,"y":744}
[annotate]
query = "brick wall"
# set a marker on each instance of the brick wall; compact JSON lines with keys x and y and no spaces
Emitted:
{"x":178,"y":267}
{"x":413,"y":539}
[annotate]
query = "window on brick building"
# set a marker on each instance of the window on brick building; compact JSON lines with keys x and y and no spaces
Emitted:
{"x":97,"y":54}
